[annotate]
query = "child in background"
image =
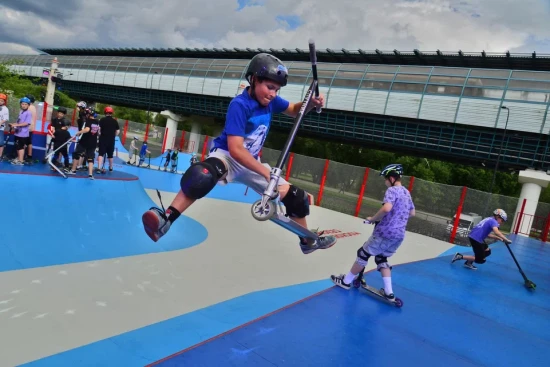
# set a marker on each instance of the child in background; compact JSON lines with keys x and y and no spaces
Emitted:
{"x":142,"y":152}
{"x":4,"y":117}
{"x":61,"y":136}
{"x":175,"y":160}
{"x":477,"y":239}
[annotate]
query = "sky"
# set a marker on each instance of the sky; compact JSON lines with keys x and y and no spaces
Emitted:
{"x":428,"y":25}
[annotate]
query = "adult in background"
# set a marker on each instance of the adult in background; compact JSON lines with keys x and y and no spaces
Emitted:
{"x":108,"y":131}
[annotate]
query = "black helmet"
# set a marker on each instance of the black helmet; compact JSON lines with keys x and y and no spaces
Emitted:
{"x":62,"y":110}
{"x":267,"y":66}
{"x":31,"y":97}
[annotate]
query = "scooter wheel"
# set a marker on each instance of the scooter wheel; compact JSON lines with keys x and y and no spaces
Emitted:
{"x":398,"y":302}
{"x":530,"y":284}
{"x":357,"y":283}
{"x":262,"y":213}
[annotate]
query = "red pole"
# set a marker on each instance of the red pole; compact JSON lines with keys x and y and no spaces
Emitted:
{"x":362,"y":192}
{"x":146,"y":133}
{"x":458,"y":212}
{"x":182,"y":141}
{"x":322,"y":186}
{"x":520,"y":216}
{"x":411,"y":184}
{"x":164,"y":140}
{"x":74,"y":117}
{"x":289,"y":166}
{"x":204,"y":146}
{"x":125,"y":132}
{"x":544,"y":236}
{"x":44,"y":115}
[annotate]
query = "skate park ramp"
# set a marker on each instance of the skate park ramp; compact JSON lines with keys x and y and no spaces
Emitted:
{"x":84,"y":286}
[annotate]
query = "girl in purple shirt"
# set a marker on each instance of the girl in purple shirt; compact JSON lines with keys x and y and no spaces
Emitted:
{"x":22,"y":130}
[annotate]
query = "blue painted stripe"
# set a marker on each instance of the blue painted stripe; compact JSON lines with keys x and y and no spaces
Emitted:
{"x":452,"y":315}
{"x":151,"y":343}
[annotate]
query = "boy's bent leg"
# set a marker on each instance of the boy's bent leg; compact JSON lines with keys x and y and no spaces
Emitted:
{"x":196,"y":182}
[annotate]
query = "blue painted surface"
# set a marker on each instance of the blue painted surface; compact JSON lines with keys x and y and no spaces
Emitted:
{"x":151,"y":343}
{"x":166,"y":181}
{"x":451,"y":316}
{"x":79,"y":220}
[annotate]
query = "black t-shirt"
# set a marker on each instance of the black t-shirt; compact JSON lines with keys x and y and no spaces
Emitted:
{"x":89,"y":139}
{"x":58,"y":123}
{"x":61,"y":136}
{"x":81,"y":119}
{"x":108,"y":126}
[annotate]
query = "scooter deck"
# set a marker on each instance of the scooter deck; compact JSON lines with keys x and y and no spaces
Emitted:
{"x":397,"y":302}
{"x":293,"y":227}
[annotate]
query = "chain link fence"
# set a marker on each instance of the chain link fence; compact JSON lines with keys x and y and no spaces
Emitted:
{"x":338,"y":186}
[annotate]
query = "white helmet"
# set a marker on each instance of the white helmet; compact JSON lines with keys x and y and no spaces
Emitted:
{"x":82,"y":104}
{"x":501,"y":213}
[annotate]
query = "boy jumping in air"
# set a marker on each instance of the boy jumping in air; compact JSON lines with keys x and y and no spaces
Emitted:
{"x":477,"y":239}
{"x":234,"y":155}
{"x":388,"y":234}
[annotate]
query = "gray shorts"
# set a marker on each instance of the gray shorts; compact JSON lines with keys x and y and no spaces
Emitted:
{"x":238,"y":173}
{"x":386,"y":247}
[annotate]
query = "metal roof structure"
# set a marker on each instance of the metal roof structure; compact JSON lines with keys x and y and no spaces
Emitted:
{"x":519,"y":61}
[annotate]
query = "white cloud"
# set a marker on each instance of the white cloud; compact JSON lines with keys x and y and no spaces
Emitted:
{"x":448,"y":25}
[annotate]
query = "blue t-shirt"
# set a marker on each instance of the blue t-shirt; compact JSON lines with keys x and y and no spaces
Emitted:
{"x":483,"y":228}
{"x":143,"y":150}
{"x":247,"y":118}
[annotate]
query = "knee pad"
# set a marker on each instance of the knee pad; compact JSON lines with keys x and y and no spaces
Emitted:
{"x":77,"y":155}
{"x":296,"y":202}
{"x":202,"y":177}
{"x":90,"y":160}
{"x":381,"y":262}
{"x":362,"y":257}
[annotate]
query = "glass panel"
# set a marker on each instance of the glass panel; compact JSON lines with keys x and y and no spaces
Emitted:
{"x":298,"y":75}
{"x":481,"y":92}
{"x":379,"y":76}
{"x":443,"y":89}
{"x":383,"y":68}
{"x":490,"y":73}
{"x":415,"y":69}
{"x":412,"y":78}
{"x":449,"y":71}
{"x":526,"y":84}
{"x":408,"y":87}
{"x":439,"y":79}
{"x":487,"y":82}
{"x":327,"y":66}
{"x":374,"y":84}
{"x":527,"y":96}
{"x":354,"y":67}
{"x":531,"y":75}
{"x":216,"y":71}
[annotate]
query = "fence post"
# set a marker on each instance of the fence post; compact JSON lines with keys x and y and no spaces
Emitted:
{"x":458,"y":212}
{"x":411,"y":184}
{"x":204,"y":147}
{"x":544,"y":236}
{"x":520,"y":216}
{"x":322,"y":186}
{"x":146,"y":137}
{"x":362,"y":192}
{"x":289,"y":166}
{"x":125,"y":132}
{"x":74,"y":116}
{"x":164,"y":140}
{"x":44,"y":116}
{"x":182,"y":140}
